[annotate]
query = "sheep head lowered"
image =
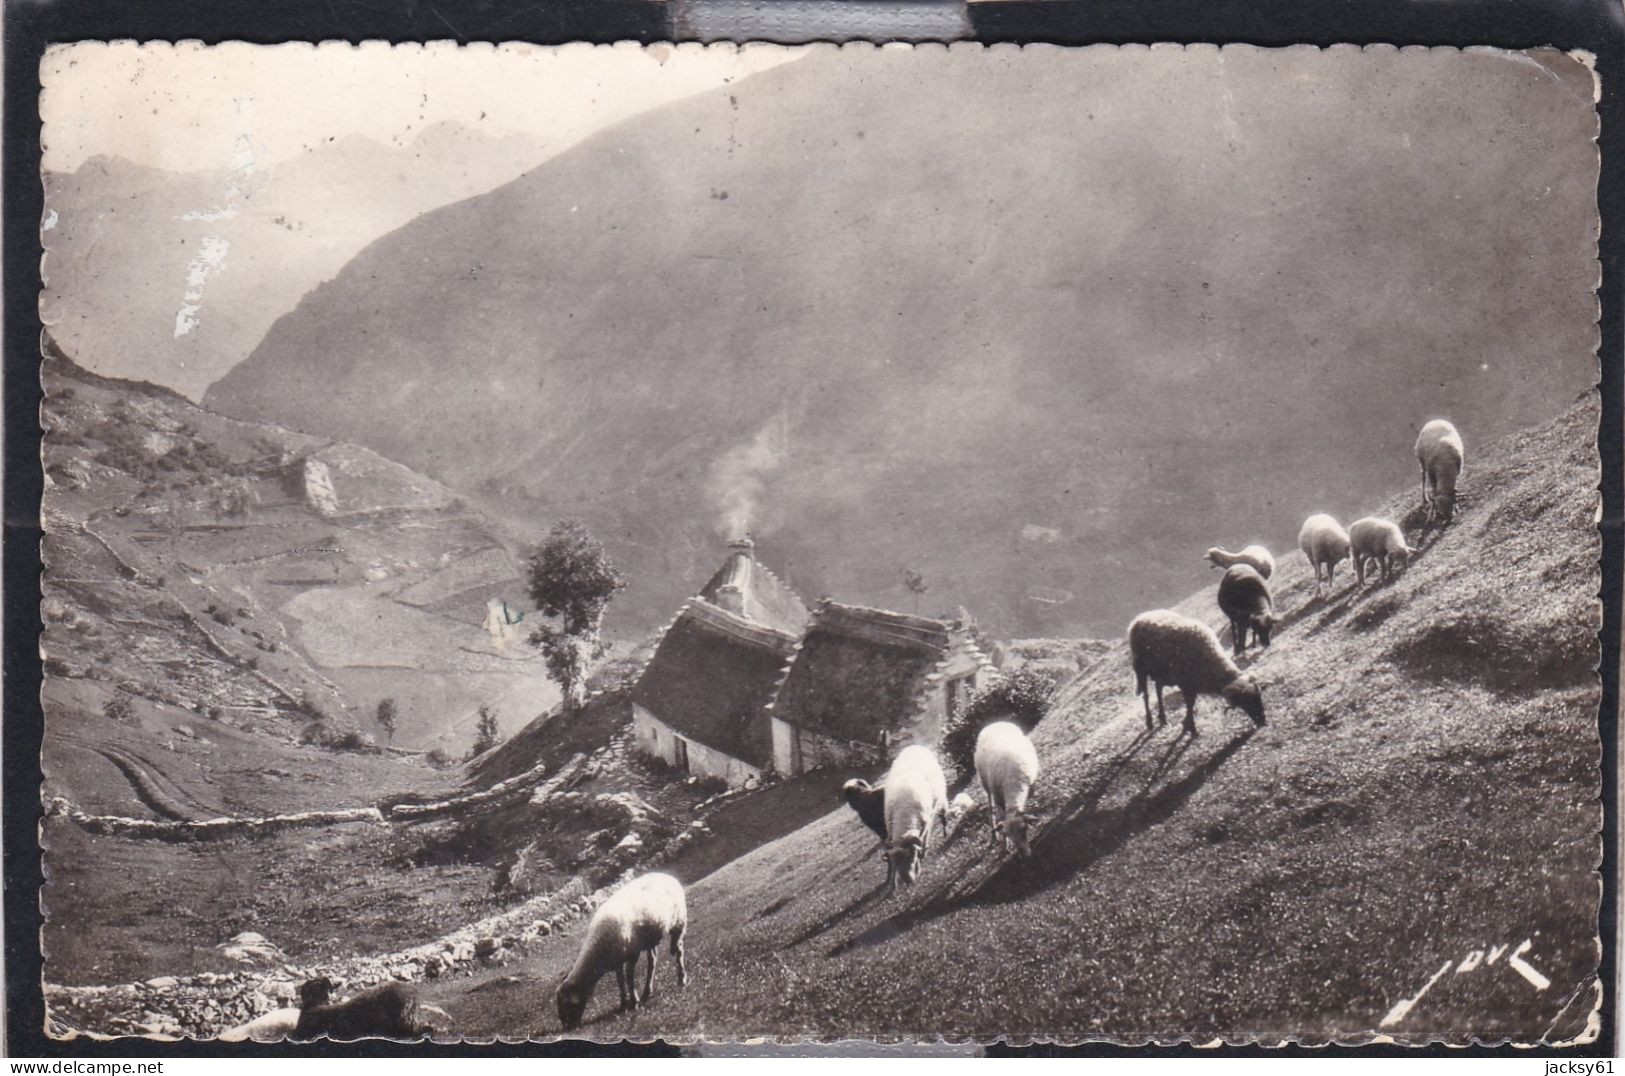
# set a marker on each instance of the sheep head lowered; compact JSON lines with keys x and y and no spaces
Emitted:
{"x":903,"y":859}
{"x":1247,"y":697}
{"x":572,"y":1001}
{"x":1013,"y":830}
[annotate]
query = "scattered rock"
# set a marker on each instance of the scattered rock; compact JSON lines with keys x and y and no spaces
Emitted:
{"x":163,"y":982}
{"x":253,"y":949}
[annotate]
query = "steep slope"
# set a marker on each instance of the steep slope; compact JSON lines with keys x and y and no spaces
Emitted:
{"x":188,"y":557}
{"x":174,"y":278}
{"x":1425,"y":790}
{"x":264,"y":577}
{"x":920,"y":310}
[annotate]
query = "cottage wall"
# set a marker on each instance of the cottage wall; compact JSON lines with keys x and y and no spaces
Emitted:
{"x":652,"y":736}
{"x":964,"y":672}
{"x":786,"y":749}
{"x":657,"y":739}
{"x":704,"y":762}
{"x":797,"y":750}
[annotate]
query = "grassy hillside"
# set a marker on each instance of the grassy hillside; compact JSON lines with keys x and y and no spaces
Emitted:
{"x":191,"y":639}
{"x":1426,"y":787}
{"x":1019,"y":345}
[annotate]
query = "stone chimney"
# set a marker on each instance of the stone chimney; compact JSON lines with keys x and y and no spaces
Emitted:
{"x":731,"y":594}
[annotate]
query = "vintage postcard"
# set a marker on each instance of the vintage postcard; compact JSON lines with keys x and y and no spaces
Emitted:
{"x":808,"y":543}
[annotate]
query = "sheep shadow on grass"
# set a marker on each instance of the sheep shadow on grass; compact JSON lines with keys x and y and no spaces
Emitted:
{"x":1330,"y":609}
{"x":611,"y":1010}
{"x":963,"y":887}
{"x":830,"y":922}
{"x":1079,"y":834}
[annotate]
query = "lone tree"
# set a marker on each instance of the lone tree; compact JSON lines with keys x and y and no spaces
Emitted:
{"x":485,"y":732}
{"x":571,"y":580}
{"x":387,"y":713}
{"x":915,"y":583}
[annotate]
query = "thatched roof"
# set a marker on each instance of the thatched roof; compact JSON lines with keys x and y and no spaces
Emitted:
{"x":766,"y":599}
{"x":712,"y":677}
{"x":861,"y":672}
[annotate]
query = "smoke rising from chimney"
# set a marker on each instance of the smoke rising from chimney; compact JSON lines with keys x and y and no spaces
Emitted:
{"x":738,"y":480}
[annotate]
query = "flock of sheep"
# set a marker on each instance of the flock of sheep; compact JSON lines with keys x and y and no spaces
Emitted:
{"x":1171,"y":649}
{"x":1167,"y":648}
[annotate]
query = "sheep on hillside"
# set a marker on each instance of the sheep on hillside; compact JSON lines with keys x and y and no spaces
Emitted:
{"x":1170,"y":648}
{"x":1440,"y":452}
{"x":1007,"y":765}
{"x":916,"y":794}
{"x":388,"y":1011}
{"x":1380,"y":540}
{"x":1244,"y":597}
{"x":1255,"y":555}
{"x":1325,"y":542}
{"x":634,"y":920}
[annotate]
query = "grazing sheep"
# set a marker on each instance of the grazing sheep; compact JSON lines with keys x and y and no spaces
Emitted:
{"x":1255,"y":555}
{"x":1325,"y":542}
{"x":388,"y":1011}
{"x":916,"y":794}
{"x":633,"y":921}
{"x":1440,"y":452}
{"x":1007,"y":765}
{"x":869,"y":802}
{"x":1244,"y":597}
{"x":1170,"y":648}
{"x":1380,"y":540}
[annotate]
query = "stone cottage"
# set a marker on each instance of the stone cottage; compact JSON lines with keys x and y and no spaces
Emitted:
{"x":701,"y":702}
{"x":866,"y":682}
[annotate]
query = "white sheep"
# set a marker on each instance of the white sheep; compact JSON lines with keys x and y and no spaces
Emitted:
{"x":1007,"y":765}
{"x":1170,"y":648}
{"x":1380,"y":540}
{"x":1244,"y":597}
{"x":633,"y":921}
{"x":1255,"y":555}
{"x":1439,"y":450}
{"x":1325,"y":542}
{"x":916,"y":794}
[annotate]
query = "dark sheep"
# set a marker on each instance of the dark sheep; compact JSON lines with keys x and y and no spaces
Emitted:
{"x":390,"y":1011}
{"x":869,"y":801}
{"x":1244,"y":597}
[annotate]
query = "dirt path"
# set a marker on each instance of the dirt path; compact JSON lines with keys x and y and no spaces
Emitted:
{"x":161,"y":795}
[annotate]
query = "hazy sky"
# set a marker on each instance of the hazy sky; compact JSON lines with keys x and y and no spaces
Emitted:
{"x":188,"y":107}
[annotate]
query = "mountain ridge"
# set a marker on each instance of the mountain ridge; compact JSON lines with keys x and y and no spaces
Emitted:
{"x":1100,"y":330}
